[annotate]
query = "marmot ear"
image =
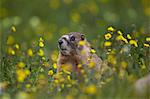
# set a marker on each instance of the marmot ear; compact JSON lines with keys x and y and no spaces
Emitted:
{"x":82,"y":37}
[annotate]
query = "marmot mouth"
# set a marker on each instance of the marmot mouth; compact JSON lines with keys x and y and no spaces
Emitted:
{"x":63,"y":49}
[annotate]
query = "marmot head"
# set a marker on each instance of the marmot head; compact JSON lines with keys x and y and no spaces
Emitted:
{"x":69,"y":43}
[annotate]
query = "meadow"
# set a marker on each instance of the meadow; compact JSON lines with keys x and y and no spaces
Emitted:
{"x":119,"y":32}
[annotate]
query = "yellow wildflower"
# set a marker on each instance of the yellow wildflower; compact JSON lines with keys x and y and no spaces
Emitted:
{"x":120,"y":37}
{"x":121,"y":74}
{"x":20,"y":75}
{"x":107,"y":43}
{"x":91,"y":89}
{"x":82,"y":43}
{"x":41,"y":39}
{"x":10,"y":40}
{"x":124,"y":64}
{"x":112,"y":59}
{"x":108,"y":36}
{"x":43,"y":58}
{"x":46,"y":64}
{"x":66,"y":71}
{"x":30,"y":52}
{"x":143,"y":66}
{"x":111,"y":29}
{"x":133,"y":42}
{"x":79,"y":65}
{"x":28,"y":85}
{"x":55,"y":66}
{"x":56,"y":81}
{"x":41,"y":44}
{"x":128,"y":36}
{"x":13,"y":29}
{"x":119,"y":32}
{"x":148,"y":39}
{"x":92,"y":51}
{"x":21,"y":64}
{"x":27,"y":71}
{"x":91,"y":65}
{"x":17,"y":46}
{"x":68,"y":77}
{"x":82,"y":71}
{"x":146,"y":45}
{"x":54,"y":56}
{"x":11,"y":51}
{"x":50,"y":72}
{"x":40,"y":52}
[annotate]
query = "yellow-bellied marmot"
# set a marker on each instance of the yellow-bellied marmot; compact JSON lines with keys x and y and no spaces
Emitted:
{"x":74,"y":49}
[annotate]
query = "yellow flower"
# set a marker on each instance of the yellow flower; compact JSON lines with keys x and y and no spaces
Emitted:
{"x":148,"y":39}
{"x":81,"y":43}
{"x":56,"y":81}
{"x":111,"y":29}
{"x":40,"y":52}
{"x":133,"y":42}
{"x":91,"y":89}
{"x":17,"y":46}
{"x":30,"y":52}
{"x":28,"y":86}
{"x":68,"y":77}
{"x":120,"y":37}
{"x":79,"y":65}
{"x":91,"y":65}
{"x":108,"y":36}
{"x":119,"y":32}
{"x":43,"y":58}
{"x":54,"y":56}
{"x":11,"y":51}
{"x":50,"y":72}
{"x":82,"y":71}
{"x":13,"y":29}
{"x":121,"y":74}
{"x":27,"y":71}
{"x":21,"y":64}
{"x":124,"y":64}
{"x":10,"y":40}
{"x":41,"y":44}
{"x":55,"y":66}
{"x":143,"y":66}
{"x":146,"y":45}
{"x":128,"y":36}
{"x":112,"y":59}
{"x":107,"y":43}
{"x":20,"y":75}
{"x":92,"y":51}
{"x":41,"y":39}
{"x":66,"y":71}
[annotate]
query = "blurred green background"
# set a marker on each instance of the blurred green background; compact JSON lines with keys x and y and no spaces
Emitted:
{"x":52,"y":18}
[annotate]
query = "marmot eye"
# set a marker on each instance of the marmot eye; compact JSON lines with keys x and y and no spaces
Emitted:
{"x":82,"y":37}
{"x":72,"y":38}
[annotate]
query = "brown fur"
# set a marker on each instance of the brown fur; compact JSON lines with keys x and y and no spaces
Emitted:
{"x":77,"y":57}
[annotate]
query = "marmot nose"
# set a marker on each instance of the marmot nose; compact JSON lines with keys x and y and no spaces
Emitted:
{"x":60,"y":42}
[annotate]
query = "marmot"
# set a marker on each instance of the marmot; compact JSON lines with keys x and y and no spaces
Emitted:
{"x":75,"y":50}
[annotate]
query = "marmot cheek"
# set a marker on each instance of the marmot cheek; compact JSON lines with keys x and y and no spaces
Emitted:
{"x":80,"y":47}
